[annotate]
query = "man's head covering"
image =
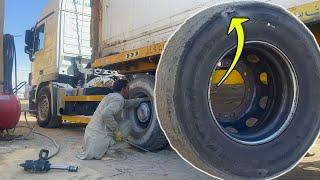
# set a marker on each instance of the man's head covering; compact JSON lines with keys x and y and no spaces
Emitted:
{"x":118,"y":85}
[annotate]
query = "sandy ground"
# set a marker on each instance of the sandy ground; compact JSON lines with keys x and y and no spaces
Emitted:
{"x":128,"y":163}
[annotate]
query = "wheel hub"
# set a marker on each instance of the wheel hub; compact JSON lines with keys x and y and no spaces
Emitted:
{"x":144,"y":112}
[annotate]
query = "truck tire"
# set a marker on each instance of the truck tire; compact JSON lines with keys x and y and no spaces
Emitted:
{"x":145,"y":132}
{"x":183,"y":83}
{"x":45,"y":118}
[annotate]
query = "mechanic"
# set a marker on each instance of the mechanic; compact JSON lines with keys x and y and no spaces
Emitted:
{"x":101,"y":131}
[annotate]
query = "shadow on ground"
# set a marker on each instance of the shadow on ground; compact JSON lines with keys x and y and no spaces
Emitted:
{"x":306,"y":171}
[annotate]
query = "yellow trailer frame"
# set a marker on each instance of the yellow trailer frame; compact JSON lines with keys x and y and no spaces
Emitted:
{"x":308,"y":13}
{"x":123,"y":62}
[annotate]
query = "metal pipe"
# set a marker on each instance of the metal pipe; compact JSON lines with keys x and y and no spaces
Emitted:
{"x":15,"y":74}
{"x":64,"y":167}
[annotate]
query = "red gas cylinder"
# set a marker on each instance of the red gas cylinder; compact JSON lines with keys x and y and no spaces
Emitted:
{"x":10,"y":110}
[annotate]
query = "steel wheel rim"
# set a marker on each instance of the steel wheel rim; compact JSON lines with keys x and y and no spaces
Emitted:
{"x":43,"y":107}
{"x":289,"y":90}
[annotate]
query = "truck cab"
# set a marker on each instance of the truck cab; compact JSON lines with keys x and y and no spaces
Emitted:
{"x":59,"y":49}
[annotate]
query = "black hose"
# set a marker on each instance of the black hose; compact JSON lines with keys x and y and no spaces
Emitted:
{"x":9,"y":56}
{"x":32,"y":131}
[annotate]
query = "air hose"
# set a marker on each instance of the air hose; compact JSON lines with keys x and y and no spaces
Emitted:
{"x":9,"y":56}
{"x":32,"y":131}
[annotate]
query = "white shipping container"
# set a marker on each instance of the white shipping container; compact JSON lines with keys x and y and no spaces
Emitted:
{"x":131,"y":24}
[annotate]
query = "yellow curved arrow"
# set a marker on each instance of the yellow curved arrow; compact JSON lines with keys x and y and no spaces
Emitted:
{"x":236,"y":24}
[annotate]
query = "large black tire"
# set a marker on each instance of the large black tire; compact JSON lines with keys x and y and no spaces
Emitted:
{"x":181,"y":92}
{"x":44,"y":113}
{"x":149,"y":134}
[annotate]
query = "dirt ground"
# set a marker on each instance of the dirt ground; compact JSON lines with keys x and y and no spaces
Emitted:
{"x":129,"y":163}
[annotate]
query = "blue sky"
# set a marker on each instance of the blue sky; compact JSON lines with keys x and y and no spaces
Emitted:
{"x":21,"y":15}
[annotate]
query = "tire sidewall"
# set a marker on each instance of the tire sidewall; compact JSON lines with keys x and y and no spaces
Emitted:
{"x":139,"y":135}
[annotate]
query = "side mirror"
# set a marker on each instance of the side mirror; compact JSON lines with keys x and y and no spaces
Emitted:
{"x":29,"y":51}
{"x":29,"y":38}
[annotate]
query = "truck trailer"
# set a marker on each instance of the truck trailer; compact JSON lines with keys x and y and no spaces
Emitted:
{"x":258,"y":124}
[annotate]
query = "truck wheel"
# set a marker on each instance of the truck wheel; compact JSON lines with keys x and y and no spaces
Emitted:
{"x":145,"y":129}
{"x":44,"y":114}
{"x":277,"y":119}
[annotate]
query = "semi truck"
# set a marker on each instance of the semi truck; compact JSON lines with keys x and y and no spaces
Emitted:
{"x":258,"y":124}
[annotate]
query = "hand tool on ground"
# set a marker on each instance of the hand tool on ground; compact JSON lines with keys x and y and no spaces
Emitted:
{"x":42,"y":165}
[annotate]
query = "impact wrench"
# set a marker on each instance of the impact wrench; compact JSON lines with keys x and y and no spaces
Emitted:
{"x":42,"y":165}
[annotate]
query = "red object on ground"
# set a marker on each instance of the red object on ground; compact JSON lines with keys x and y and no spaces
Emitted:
{"x":10,"y":110}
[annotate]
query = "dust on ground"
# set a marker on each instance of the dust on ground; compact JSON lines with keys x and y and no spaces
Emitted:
{"x":128,"y":163}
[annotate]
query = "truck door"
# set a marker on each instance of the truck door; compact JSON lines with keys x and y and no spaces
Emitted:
{"x":44,"y":63}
